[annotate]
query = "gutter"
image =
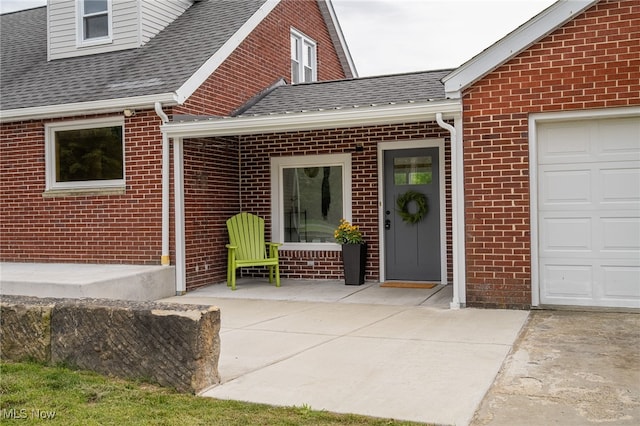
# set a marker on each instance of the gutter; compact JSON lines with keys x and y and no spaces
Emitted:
{"x":84,"y":108}
{"x":314,"y":120}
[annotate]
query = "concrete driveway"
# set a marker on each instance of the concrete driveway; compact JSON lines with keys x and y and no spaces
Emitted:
{"x":569,"y":368}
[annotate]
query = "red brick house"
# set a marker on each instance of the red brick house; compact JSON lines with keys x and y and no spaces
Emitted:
{"x":528,"y":156}
{"x":536,"y":202}
{"x":106,"y":75}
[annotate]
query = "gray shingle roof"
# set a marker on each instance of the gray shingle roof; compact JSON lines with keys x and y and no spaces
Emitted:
{"x":358,"y":92}
{"x":27,"y":79}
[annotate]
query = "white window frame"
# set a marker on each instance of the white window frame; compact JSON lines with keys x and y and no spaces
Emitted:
{"x":278,"y":164}
{"x":50,"y":155}
{"x":81,"y":40}
{"x":300,"y":57}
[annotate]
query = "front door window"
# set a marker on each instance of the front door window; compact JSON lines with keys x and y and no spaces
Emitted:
{"x":412,"y":170}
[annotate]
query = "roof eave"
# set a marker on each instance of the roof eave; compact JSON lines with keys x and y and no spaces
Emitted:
{"x":84,"y":108}
{"x":314,"y":120}
{"x":511,"y":45}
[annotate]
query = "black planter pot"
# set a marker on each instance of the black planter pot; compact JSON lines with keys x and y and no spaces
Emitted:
{"x":354,"y":261}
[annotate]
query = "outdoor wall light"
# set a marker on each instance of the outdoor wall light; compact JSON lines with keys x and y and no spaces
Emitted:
{"x":128,"y":112}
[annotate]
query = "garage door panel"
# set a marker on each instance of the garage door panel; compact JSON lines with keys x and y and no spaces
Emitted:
{"x":569,"y":143}
{"x":565,"y":187}
{"x":621,"y":234}
{"x":570,"y":283}
{"x":621,"y":282}
{"x":589,"y":212}
{"x":580,"y":142}
{"x":569,"y":234}
{"x":620,"y":184}
{"x":622,"y":138}
{"x":568,"y":280}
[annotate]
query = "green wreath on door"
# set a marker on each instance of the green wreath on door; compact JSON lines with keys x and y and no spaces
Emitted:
{"x":405,"y":200}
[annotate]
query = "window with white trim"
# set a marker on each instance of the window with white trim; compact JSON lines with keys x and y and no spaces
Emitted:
{"x":87,"y":154}
{"x":310,"y":194}
{"x":303,"y":58}
{"x":94,"y":21}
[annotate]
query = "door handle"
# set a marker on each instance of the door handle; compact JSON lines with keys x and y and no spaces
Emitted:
{"x":387,"y":224}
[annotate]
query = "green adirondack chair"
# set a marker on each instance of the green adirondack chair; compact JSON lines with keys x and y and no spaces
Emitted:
{"x":247,"y":247}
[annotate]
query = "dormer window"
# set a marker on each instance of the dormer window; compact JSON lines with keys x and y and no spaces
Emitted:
{"x":94,"y":24}
{"x":303,"y":58}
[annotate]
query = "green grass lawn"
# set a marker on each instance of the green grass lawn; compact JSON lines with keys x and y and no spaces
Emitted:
{"x":32,"y":392}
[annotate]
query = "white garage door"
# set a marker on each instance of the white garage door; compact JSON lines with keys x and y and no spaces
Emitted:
{"x":589,"y":212}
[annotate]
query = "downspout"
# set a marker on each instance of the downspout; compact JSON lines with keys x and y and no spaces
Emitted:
{"x":165,"y":260}
{"x":458,"y":212}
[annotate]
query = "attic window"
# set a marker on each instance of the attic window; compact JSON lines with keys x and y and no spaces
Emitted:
{"x":95,"y":21}
{"x":303,"y":58}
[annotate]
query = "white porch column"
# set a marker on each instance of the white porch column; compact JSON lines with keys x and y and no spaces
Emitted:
{"x":165,"y":259}
{"x":457,"y":183}
{"x":166,"y":182}
{"x":178,"y":182}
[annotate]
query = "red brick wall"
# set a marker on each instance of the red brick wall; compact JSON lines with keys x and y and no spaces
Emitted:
{"x":264,"y":57}
{"x":591,"y":62}
{"x":85,"y":228}
{"x":211,"y":179}
{"x":256,"y":193}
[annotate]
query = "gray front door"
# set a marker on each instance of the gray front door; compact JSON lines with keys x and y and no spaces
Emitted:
{"x":412,"y":250}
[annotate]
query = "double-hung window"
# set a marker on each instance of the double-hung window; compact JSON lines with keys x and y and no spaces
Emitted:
{"x":86,"y":154}
{"x":94,"y":21}
{"x":310,"y":194}
{"x":303,"y":58}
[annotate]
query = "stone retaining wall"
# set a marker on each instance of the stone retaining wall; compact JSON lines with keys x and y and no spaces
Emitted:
{"x":174,"y":345}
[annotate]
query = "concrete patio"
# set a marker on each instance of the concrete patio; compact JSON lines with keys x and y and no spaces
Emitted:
{"x":79,"y":280}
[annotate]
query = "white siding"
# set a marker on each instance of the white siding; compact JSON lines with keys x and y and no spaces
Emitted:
{"x":157,"y":14}
{"x":61,"y":28}
{"x":134,"y":22}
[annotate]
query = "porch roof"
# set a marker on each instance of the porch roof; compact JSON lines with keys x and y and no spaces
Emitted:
{"x":349,"y":93}
{"x":388,"y":99}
